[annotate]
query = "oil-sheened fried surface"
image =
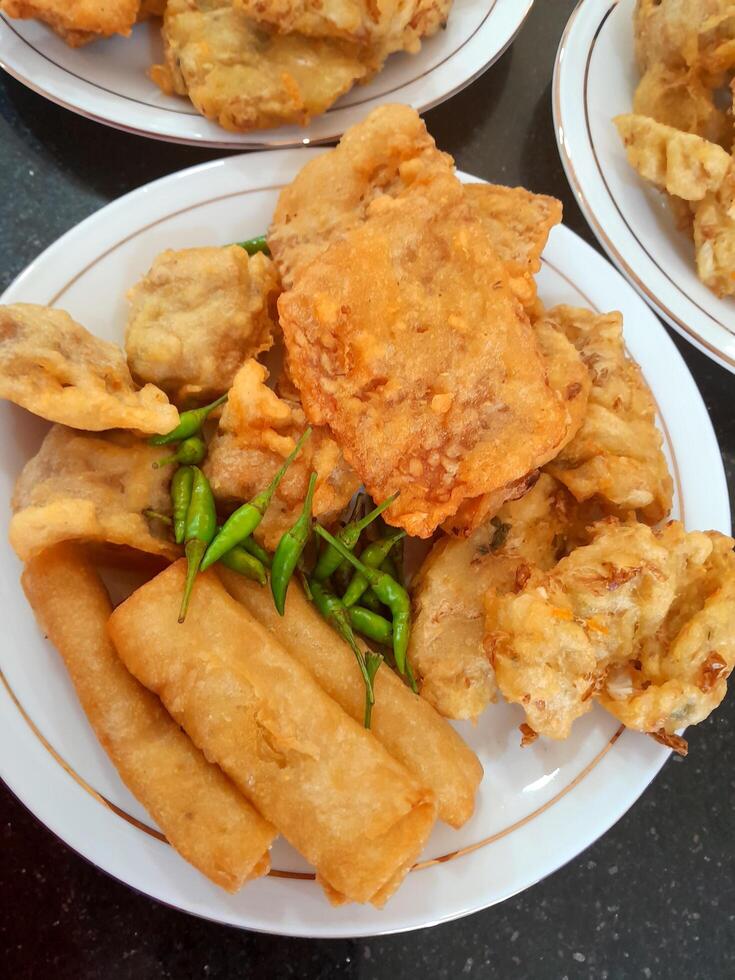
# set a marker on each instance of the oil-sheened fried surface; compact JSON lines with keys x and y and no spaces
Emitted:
{"x":678,"y":97}
{"x":81,"y":486}
{"x":198,"y":809}
{"x":244,"y":77}
{"x":406,"y":340}
{"x":446,"y":649}
{"x":256,"y":432}
{"x":669,"y":32}
{"x":714,"y":238}
{"x":197,"y":315}
{"x":77,"y":21}
{"x":616,"y":457}
{"x":53,"y":367}
{"x":383,"y":155}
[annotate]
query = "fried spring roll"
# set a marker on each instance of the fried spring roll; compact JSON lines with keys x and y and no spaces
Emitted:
{"x":328,"y":786}
{"x":409,"y":727}
{"x":199,"y":810}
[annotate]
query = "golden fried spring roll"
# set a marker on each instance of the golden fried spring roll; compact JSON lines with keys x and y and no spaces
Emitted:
{"x":196,"y":806}
{"x":328,"y":786}
{"x":409,"y":727}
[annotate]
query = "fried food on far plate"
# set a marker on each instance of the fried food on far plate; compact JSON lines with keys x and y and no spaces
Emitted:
{"x":670,"y":32}
{"x":244,"y":77}
{"x":325,"y":782}
{"x":80,"y":486}
{"x":197,"y":315}
{"x":714,"y":238}
{"x":616,"y":456}
{"x":199,"y":810}
{"x":53,"y":367}
{"x":77,"y":21}
{"x":257,"y":430}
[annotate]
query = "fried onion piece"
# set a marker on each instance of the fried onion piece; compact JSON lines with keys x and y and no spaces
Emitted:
{"x":257,"y":431}
{"x":77,"y":21}
{"x":679,"y":98}
{"x":80,"y":486}
{"x":197,"y":315}
{"x":53,"y":367}
{"x":714,"y":238}
{"x":681,"y":163}
{"x":616,"y":457}
{"x":243,"y":77}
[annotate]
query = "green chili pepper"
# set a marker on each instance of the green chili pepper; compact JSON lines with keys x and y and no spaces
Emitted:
{"x":373,"y":556}
{"x":257,"y":551}
{"x":253,"y":245}
{"x":330,"y":559}
{"x":370,"y":601}
{"x":389,"y":592}
{"x":373,"y":660}
{"x":189,"y":424}
{"x":331,"y":608}
{"x":154,"y":515}
{"x":290,"y":549}
{"x":342,"y":577}
{"x":242,"y":562}
{"x":181,"y":485}
{"x":371,"y":625}
{"x":201,"y":526}
{"x":191,"y":450}
{"x":389,"y":567}
{"x":245,"y":519}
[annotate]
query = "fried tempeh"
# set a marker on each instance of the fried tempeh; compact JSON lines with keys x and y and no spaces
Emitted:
{"x":325,"y":782}
{"x":199,"y":810}
{"x":406,"y":725}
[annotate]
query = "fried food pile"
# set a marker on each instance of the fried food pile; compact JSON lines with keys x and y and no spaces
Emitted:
{"x":679,"y":136}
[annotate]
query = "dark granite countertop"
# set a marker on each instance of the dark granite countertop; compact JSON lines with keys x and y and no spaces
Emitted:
{"x":654,"y":898}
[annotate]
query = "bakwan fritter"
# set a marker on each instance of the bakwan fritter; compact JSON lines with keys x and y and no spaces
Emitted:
{"x":78,"y":21}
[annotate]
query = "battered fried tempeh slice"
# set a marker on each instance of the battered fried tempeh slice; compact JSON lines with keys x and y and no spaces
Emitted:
{"x":81,"y":486}
{"x":197,"y":315}
{"x":53,"y":367}
{"x":714,"y":238}
{"x":256,"y":432}
{"x":406,"y":340}
{"x":616,"y":457}
{"x":77,"y":21}
{"x":681,"y":163}
{"x":385,"y":154}
{"x":324,"y":781}
{"x":199,"y":810}
{"x":244,"y":77}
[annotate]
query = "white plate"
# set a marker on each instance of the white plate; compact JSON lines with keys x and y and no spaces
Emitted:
{"x":537,"y":808}
{"x":595,"y":77}
{"x":107,"y":81}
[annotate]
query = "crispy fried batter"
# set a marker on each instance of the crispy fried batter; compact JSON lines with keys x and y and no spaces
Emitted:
{"x":668,"y":32}
{"x":714,"y":238}
{"x":677,"y":97}
{"x":81,"y":486}
{"x":53,"y":367}
{"x":244,"y":77}
{"x":197,"y":315}
{"x":256,"y":432}
{"x":77,"y":21}
{"x":616,"y":456}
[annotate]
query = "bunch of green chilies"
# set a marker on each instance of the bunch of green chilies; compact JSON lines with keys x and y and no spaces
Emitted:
{"x":374,"y":581}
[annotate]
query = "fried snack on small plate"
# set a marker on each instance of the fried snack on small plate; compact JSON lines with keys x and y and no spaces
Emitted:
{"x":81,"y":486}
{"x":408,"y":727}
{"x":677,"y":97}
{"x":667,"y":31}
{"x":681,"y":163}
{"x":406,"y":340}
{"x":446,"y":648}
{"x":53,"y":367}
{"x":199,"y":810}
{"x":244,"y":77}
{"x":197,"y":315}
{"x":383,"y":155}
{"x":324,"y":781}
{"x":714,"y":238}
{"x":616,"y":457}
{"x":77,"y":21}
{"x":257,"y":431}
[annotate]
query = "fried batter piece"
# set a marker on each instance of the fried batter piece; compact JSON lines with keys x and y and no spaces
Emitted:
{"x":53,"y":367}
{"x":677,"y":97}
{"x":681,"y":163}
{"x":406,"y":340}
{"x":672,"y":32}
{"x":197,"y":315}
{"x":81,"y":486}
{"x":244,"y":77}
{"x":77,"y":21}
{"x":616,"y":457}
{"x":256,"y":432}
{"x":714,"y":238}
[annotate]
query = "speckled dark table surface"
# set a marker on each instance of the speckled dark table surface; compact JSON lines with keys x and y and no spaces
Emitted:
{"x":653,"y":899}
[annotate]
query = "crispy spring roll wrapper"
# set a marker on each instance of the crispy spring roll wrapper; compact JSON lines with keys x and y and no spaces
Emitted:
{"x":328,"y":786}
{"x":408,"y":726}
{"x":199,"y":810}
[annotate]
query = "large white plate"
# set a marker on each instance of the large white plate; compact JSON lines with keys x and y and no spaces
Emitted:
{"x":537,"y":808}
{"x":108,"y":80}
{"x":595,"y":77}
